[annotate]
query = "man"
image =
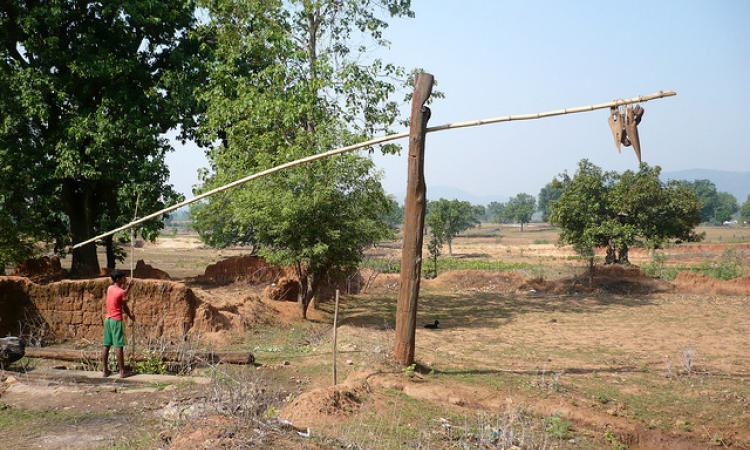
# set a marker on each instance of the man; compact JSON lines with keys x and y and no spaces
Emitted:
{"x":114,"y":329}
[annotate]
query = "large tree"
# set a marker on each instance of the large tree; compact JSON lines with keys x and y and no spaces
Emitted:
{"x":618,"y":211}
{"x":85,"y":94}
{"x":285,"y":81}
{"x":447,"y":218}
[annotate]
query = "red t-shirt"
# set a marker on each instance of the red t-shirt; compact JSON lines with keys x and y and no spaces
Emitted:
{"x":115,"y":300}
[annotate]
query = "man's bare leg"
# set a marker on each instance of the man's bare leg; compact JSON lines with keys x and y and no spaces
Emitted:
{"x":105,"y":361}
{"x":121,"y":361}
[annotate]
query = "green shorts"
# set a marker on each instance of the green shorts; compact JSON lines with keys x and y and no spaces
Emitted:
{"x":114,"y":333}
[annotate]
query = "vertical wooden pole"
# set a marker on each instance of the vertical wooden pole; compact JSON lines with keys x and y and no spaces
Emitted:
{"x":414,"y":212}
{"x":335,"y":326}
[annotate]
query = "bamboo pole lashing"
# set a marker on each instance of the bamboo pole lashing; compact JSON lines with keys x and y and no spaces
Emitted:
{"x":377,"y":141}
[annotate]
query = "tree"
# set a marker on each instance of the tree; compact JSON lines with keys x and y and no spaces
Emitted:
{"x":84,"y":98}
{"x":716,"y":207}
{"x":726,"y":207}
{"x":550,"y":193}
{"x":394,"y":213}
{"x":447,"y":218}
{"x":496,"y":212}
{"x":283,"y":82}
{"x":520,"y":208}
{"x":605,"y":209}
{"x":745,"y":212}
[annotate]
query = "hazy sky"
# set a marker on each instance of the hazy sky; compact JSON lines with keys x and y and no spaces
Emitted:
{"x":495,"y":57}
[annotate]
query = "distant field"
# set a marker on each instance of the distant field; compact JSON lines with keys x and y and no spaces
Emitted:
{"x":487,"y":247}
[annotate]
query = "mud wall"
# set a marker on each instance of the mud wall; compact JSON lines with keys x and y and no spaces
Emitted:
{"x":74,"y":309}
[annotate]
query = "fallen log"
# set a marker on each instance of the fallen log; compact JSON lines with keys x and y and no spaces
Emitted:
{"x":240,"y":358}
{"x":11,"y":349}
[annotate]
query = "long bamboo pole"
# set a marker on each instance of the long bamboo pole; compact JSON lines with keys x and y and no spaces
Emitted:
{"x":380,"y":140}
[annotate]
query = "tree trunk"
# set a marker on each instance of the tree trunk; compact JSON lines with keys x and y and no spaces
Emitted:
{"x":450,"y":247}
{"x":308,"y":288}
{"x":611,"y":257}
{"x":521,"y":227}
{"x":109,"y":247}
{"x":591,"y":271}
{"x":414,"y":213}
{"x":623,"y":256}
{"x":79,"y":208}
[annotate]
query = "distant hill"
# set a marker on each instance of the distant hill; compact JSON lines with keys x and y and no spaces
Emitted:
{"x":736,"y":183}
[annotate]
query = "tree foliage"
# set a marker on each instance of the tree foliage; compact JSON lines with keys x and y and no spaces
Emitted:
{"x":85,"y":94}
{"x":716,"y":207}
{"x":519,"y":209}
{"x":447,"y":218}
{"x":618,"y":211}
{"x":550,"y":193}
{"x":285,"y":81}
{"x":745,"y":212}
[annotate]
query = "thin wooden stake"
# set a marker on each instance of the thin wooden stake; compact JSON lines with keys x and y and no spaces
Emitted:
{"x":335,"y":325}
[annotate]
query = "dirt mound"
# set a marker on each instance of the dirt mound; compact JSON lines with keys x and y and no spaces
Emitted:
{"x":219,"y":321}
{"x":694,"y":283}
{"x":329,"y":403}
{"x":143,"y":270}
{"x":614,"y":279}
{"x":248,"y":268}
{"x":75,"y":308}
{"x":41,"y":270}
{"x":481,"y":280}
{"x":284,"y":289}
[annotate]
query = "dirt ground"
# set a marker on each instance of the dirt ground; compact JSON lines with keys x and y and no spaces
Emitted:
{"x":629,"y":363}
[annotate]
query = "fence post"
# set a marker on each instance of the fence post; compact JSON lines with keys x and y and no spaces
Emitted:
{"x":335,"y":325}
{"x":414,"y":212}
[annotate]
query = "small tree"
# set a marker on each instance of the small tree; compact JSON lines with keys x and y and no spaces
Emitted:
{"x":434,"y":247}
{"x":520,"y":208}
{"x":447,"y":218}
{"x":745,"y":212}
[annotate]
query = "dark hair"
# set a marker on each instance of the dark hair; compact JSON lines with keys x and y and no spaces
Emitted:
{"x":117,"y":275}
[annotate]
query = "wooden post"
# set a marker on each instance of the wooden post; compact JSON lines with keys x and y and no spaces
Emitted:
{"x":335,"y":325}
{"x":414,"y":212}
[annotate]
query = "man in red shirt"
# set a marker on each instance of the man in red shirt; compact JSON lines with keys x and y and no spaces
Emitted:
{"x":114,"y":329}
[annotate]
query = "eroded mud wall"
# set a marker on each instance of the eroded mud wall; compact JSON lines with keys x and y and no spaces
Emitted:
{"x":74,"y":309}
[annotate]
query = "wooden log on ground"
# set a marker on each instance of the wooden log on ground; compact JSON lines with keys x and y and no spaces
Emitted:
{"x":11,"y":349}
{"x":240,"y":358}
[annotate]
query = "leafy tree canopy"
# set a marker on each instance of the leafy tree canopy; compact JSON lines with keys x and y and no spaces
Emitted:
{"x":550,"y":193}
{"x":745,"y":212}
{"x":520,"y":208}
{"x":285,"y":81}
{"x":716,"y":207}
{"x":447,"y":218}
{"x":85,"y":95}
{"x":618,"y":211}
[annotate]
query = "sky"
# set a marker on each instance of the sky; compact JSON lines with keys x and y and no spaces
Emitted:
{"x":493,"y":58}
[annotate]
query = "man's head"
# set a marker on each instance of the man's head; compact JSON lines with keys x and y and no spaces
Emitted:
{"x":118,"y":277}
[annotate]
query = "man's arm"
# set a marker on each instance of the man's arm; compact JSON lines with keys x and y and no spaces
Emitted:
{"x":126,"y":310}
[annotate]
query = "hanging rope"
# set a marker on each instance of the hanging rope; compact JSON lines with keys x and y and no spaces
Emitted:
{"x":380,"y":140}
